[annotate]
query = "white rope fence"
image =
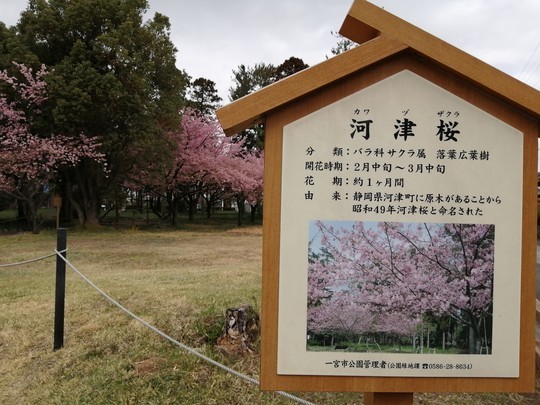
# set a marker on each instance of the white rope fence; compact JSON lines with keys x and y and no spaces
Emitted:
{"x":37,"y":259}
{"x":252,"y":380}
{"x":172,"y":340}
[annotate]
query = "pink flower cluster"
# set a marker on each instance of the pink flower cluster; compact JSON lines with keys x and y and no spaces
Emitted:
{"x":26,"y":157}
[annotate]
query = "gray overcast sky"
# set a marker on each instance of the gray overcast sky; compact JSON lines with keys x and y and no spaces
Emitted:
{"x":213,"y":37}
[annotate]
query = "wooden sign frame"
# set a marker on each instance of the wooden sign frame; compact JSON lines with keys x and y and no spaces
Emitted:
{"x":391,"y":46}
{"x":271,"y":231}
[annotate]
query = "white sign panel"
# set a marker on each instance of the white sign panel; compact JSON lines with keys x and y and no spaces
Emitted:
{"x":400,"y":237}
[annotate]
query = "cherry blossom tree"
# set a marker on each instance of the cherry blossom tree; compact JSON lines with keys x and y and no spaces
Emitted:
{"x":407,"y":271}
{"x":200,"y":150}
{"x":203,"y":163}
{"x":28,"y":160}
{"x":344,"y":313}
{"x":242,"y":175}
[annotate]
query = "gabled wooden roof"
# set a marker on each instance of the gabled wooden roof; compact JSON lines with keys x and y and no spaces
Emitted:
{"x":380,"y":35}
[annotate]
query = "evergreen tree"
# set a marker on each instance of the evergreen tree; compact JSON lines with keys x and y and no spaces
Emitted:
{"x":203,"y":96}
{"x":114,"y":76}
{"x":250,"y":79}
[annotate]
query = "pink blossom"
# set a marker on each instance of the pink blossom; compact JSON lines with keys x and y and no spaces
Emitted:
{"x":399,"y":271}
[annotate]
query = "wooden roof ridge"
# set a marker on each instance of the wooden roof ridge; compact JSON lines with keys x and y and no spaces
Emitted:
{"x":249,"y":110}
{"x":365,"y":20}
{"x":380,"y":35}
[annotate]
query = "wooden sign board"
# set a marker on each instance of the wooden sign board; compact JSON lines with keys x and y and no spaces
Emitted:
{"x":400,"y":218}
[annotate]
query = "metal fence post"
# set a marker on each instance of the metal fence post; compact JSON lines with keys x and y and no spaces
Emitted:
{"x":60,"y":290}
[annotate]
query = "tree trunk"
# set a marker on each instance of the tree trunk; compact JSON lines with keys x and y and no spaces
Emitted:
{"x":474,"y":341}
{"x":240,"y":202}
{"x":427,"y":338}
{"x":20,"y":209}
{"x":32,"y":211}
{"x":117,"y":214}
{"x":172,"y":201}
{"x":253,"y":212}
{"x":91,"y":204}
{"x":471,"y":341}
{"x":174,"y":212}
{"x":92,"y":214}
{"x":74,"y":203}
{"x":444,"y":340}
{"x":87,"y":179}
{"x":192,"y":207}
{"x":208,"y":208}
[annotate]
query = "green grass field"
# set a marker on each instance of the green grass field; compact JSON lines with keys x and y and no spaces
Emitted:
{"x":181,"y":281}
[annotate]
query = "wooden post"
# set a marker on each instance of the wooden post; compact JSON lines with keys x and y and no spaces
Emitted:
{"x":60,"y":290}
{"x":388,"y":398}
